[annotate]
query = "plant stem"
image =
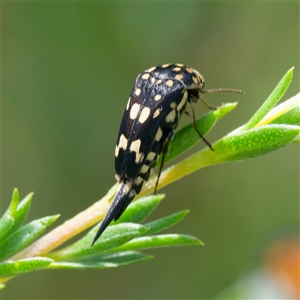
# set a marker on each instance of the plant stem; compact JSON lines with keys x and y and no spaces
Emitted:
{"x":69,"y":229}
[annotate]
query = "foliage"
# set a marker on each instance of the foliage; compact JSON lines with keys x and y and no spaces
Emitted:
{"x":269,"y":129}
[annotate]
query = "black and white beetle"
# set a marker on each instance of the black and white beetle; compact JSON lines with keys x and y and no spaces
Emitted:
{"x":154,"y":108}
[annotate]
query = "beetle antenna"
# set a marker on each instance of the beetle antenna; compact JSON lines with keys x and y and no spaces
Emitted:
{"x":222,"y":90}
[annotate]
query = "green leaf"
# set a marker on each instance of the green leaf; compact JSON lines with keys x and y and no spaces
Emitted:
{"x":77,"y":265}
{"x":166,"y":222}
{"x":24,"y":236}
{"x":121,"y":257}
{"x":255,"y":142}
{"x":296,"y":139}
{"x":187,"y":137}
{"x":292,"y":117}
{"x":8,"y":219}
{"x":287,"y":112}
{"x":21,"y":213}
{"x":272,"y":100}
{"x":106,"y":261}
{"x":164,"y":240}
{"x":11,"y":268}
{"x":112,"y":237}
{"x":139,"y":210}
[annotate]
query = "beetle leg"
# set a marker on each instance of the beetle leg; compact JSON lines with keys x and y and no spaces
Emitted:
{"x":187,"y":113}
{"x":195,"y":127}
{"x":206,"y":104}
{"x":164,"y":152}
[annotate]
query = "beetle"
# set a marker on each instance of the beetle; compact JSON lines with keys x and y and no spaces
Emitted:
{"x":153,"y":111}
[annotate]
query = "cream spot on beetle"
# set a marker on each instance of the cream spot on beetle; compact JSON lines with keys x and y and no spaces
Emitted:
{"x":117,"y":149}
{"x":118,"y":178}
{"x":179,"y":76}
{"x":139,"y":180}
{"x":157,"y":97}
{"x":151,"y":69}
{"x":173,"y":105}
{"x":145,"y":169}
{"x":159,"y":82}
{"x":151,"y":156}
{"x":138,"y":157}
{"x":144,"y":114}
{"x":189,"y":70}
{"x":165,"y":65}
{"x":177,"y":69}
{"x":128,"y":103}
{"x":180,"y":65}
{"x":169,"y":83}
{"x":183,"y":101}
{"x":146,"y":76}
{"x":134,"y":111}
{"x":137,"y":91}
{"x":171,"y":116}
{"x":199,"y":78}
{"x":153,"y":80}
{"x":122,"y":142}
{"x":156,"y":113}
{"x":128,"y":187}
{"x":195,"y":79}
{"x":135,"y":147}
{"x":158,"y":135}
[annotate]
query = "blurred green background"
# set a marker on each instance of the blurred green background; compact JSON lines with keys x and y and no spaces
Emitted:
{"x":68,"y":69}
